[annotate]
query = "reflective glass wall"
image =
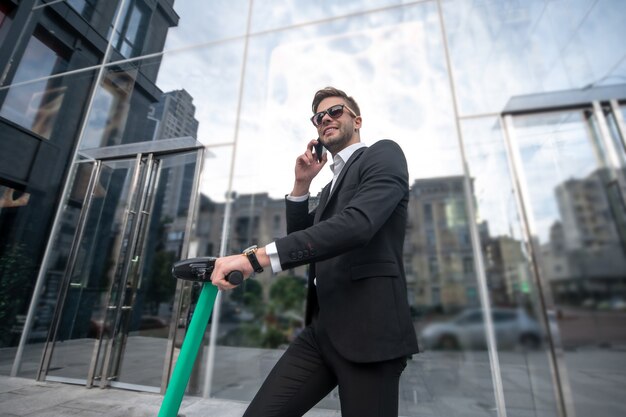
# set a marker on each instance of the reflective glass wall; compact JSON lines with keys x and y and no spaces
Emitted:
{"x":510,"y":218}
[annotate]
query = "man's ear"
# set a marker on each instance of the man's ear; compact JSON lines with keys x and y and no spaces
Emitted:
{"x":358,"y":122}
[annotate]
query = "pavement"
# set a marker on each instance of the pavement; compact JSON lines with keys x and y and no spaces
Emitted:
{"x":26,"y":397}
{"x":434,"y":384}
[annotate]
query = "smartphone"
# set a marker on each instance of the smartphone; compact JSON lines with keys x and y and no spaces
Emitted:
{"x":319,"y":150}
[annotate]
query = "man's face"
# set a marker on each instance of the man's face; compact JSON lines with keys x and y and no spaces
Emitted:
{"x":337,"y":133}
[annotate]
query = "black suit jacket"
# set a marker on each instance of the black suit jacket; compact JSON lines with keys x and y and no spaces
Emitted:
{"x":353,"y":241}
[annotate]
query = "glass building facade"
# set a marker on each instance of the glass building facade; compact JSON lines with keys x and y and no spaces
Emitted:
{"x":134,"y":133}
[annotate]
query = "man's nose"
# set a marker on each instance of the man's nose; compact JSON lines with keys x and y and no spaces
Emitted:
{"x":326,"y":119}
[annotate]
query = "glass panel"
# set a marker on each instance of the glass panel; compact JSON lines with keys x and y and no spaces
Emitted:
{"x":211,"y":76}
{"x":284,"y":13}
{"x":502,"y":49}
{"x":33,"y":169}
{"x":128,"y":108}
{"x":36,"y":106}
{"x":206,"y":241}
{"x":112,"y":110}
{"x":17,"y":262}
{"x":94,"y":273}
{"x":224,"y":19}
{"x":520,"y":332}
{"x":371,"y":55}
{"x":148,"y":323}
{"x":582,"y":256}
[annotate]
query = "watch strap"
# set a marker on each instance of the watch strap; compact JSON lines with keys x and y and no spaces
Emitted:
{"x":250,"y":253}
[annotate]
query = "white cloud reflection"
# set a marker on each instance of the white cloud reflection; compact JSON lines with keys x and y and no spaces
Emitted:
{"x":402,"y":92}
{"x":202,"y":21}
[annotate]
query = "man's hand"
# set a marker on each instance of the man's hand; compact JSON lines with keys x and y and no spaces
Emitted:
{"x":227,"y":264}
{"x":307,"y":167}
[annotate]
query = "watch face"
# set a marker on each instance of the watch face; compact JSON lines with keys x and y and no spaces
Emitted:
{"x":251,"y":249}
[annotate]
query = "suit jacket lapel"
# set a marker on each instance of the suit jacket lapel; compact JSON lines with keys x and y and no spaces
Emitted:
{"x":322,"y":202}
{"x":331,"y":194}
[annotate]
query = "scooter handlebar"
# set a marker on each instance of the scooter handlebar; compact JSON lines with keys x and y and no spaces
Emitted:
{"x":200,"y":269}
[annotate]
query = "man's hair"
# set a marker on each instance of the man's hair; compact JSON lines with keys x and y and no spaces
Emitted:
{"x":334,"y":92}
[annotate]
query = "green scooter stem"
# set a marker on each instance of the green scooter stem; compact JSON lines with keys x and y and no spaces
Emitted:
{"x":188,"y":352}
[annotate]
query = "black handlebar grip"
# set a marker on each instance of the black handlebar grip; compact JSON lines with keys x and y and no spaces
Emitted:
{"x":235,"y":277}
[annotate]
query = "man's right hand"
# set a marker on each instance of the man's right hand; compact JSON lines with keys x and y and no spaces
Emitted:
{"x":307,"y":167}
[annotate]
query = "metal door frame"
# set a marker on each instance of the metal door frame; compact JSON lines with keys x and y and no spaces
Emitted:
{"x":591,"y":101}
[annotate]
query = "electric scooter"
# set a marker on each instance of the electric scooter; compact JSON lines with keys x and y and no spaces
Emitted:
{"x":197,"y":270}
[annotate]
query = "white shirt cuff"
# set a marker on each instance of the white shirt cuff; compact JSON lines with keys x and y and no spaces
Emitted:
{"x":298,"y":199}
{"x":272,"y":252}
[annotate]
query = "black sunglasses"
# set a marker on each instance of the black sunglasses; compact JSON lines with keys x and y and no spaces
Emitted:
{"x":334,"y":111}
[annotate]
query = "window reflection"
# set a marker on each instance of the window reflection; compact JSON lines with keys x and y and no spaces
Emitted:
{"x":131,"y":30}
{"x":107,"y":121}
{"x":35,"y":106}
{"x":85,"y":8}
{"x":509,"y":48}
{"x":519,"y":329}
{"x":437,"y":250}
{"x":10,"y":197}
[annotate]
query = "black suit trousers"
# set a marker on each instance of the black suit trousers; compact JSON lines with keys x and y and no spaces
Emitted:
{"x":311,"y":368}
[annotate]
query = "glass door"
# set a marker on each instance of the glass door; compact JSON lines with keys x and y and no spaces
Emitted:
{"x":570,"y":171}
{"x":148,"y":329}
{"x":116,"y":300}
{"x":92,"y":271}
{"x":119,"y":312}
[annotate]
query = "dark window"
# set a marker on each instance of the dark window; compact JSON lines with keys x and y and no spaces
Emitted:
{"x":468,"y":265}
{"x":431,"y":239}
{"x":428,"y":213}
{"x":132,"y":29}
{"x":35,"y":105}
{"x":433,"y":268}
{"x":475,"y":317}
{"x":85,"y":8}
{"x":500,"y":316}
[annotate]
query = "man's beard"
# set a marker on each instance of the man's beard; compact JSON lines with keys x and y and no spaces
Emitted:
{"x":337,"y":143}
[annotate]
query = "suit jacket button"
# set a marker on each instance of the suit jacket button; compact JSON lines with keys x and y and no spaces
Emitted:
{"x":292,"y":255}
{"x":299,"y":254}
{"x":306,"y":253}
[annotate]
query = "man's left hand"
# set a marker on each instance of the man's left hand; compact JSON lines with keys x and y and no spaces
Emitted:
{"x":227,"y":264}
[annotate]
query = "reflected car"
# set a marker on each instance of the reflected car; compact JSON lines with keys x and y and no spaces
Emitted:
{"x":513,"y":328}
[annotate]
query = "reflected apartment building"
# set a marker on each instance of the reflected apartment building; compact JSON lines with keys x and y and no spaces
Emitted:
{"x":514,"y":253}
{"x":439,"y":258}
{"x":585,"y":253}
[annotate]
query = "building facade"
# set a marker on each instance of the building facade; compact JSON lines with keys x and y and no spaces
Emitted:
{"x":134,"y":133}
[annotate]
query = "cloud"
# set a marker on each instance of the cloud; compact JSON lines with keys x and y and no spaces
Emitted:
{"x":402,"y":92}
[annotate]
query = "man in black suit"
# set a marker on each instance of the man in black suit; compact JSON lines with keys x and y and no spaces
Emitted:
{"x":359,"y":332}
